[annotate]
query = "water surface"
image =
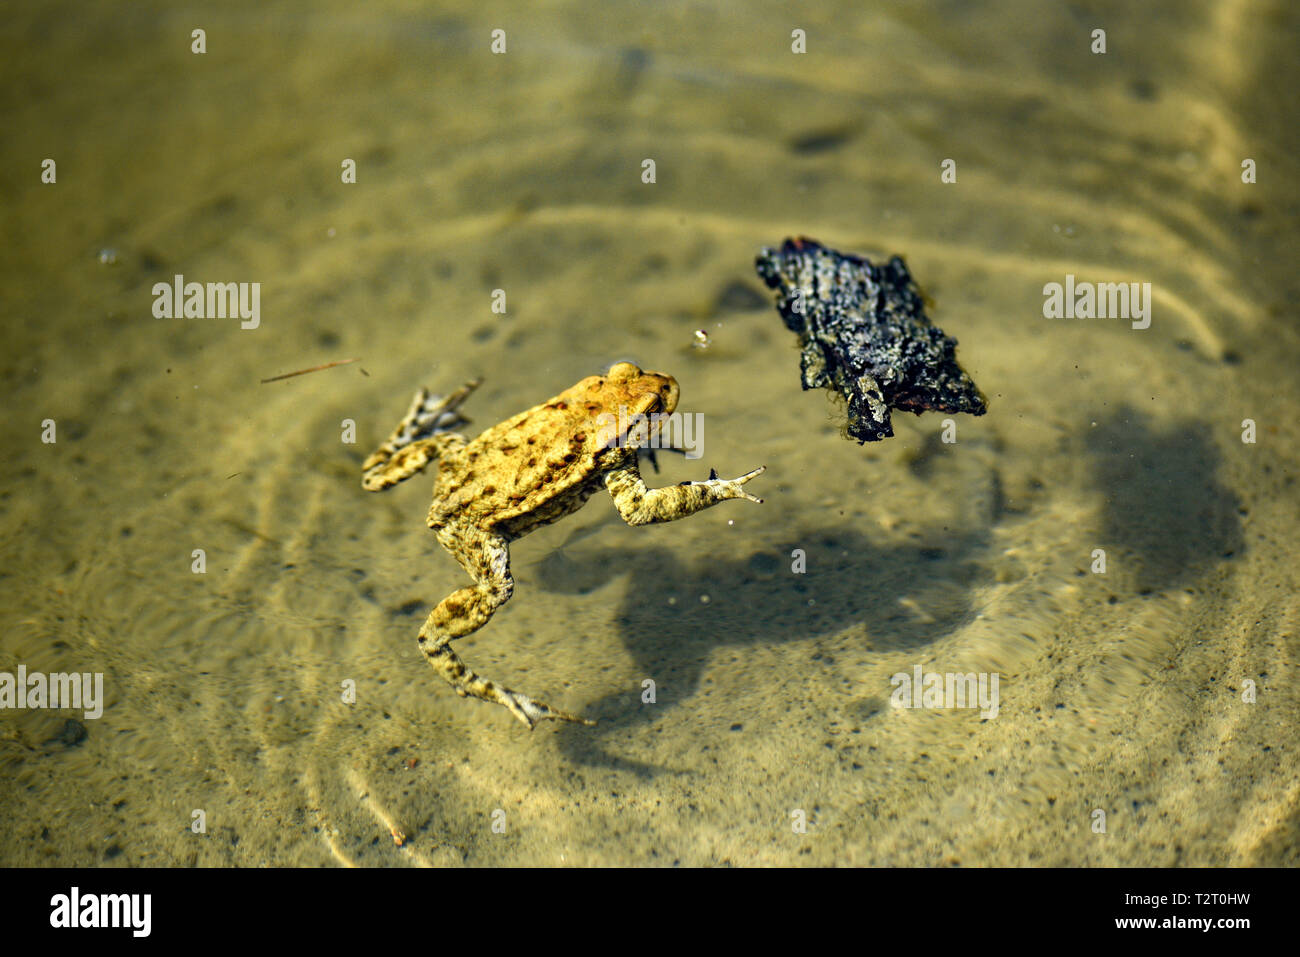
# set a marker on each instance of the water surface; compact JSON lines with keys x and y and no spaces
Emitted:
{"x":1120,"y":692}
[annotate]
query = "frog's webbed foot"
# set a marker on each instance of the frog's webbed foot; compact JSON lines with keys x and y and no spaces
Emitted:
{"x":430,"y":414}
{"x":447,"y":663}
{"x":436,"y":642}
{"x":730,"y":488}
{"x":424,"y":434}
{"x":530,"y":712}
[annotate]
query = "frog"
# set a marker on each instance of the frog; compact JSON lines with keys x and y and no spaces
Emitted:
{"x":529,"y":471}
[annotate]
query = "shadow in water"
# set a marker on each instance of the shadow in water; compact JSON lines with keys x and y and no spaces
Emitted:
{"x":756,"y":599}
{"x":1165,"y":507}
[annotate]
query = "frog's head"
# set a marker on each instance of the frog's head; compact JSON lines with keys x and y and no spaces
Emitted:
{"x":643,"y":392}
{"x":629,"y":392}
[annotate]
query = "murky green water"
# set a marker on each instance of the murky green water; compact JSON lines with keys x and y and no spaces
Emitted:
{"x":1120,"y":692}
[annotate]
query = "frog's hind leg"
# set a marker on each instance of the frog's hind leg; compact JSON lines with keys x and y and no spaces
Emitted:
{"x":486,"y":556}
{"x":423,"y":435}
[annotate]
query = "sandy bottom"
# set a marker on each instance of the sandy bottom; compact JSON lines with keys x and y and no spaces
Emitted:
{"x":1126,"y":692}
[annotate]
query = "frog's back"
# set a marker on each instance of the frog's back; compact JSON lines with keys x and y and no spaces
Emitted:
{"x":522,"y":465}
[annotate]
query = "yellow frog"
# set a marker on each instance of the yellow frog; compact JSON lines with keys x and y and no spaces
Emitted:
{"x":529,"y":471}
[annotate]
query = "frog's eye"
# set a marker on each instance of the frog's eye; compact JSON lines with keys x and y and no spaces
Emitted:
{"x":668,"y":398}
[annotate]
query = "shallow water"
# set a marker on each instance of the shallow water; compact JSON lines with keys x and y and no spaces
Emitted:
{"x":1120,"y":692}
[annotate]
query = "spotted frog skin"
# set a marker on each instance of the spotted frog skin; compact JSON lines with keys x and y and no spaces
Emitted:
{"x":529,"y":471}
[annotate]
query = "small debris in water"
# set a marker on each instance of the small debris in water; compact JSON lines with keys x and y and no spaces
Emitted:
{"x":327,"y":365}
{"x":702,"y":340}
{"x":72,"y":734}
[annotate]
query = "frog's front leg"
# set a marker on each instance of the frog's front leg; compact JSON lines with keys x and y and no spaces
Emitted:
{"x":486,"y":556}
{"x":423,"y":435}
{"x":639,"y":505}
